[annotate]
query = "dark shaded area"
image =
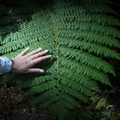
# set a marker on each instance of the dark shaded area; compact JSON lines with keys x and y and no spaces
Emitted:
{"x":14,"y":107}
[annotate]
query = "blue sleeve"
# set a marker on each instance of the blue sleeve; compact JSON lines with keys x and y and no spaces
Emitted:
{"x":5,"y":64}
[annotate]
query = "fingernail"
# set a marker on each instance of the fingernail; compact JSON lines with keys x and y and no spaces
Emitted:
{"x":39,"y":49}
{"x":42,"y":71}
{"x":46,"y":50}
{"x":50,"y":55}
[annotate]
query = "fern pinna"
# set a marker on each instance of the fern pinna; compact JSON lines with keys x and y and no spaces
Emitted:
{"x":78,"y":33}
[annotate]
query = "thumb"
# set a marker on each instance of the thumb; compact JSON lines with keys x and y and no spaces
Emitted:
{"x":35,"y":70}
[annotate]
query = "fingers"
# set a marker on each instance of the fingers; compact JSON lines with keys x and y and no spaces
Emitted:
{"x":34,"y":52}
{"x":37,"y":60}
{"x":24,"y":52}
{"x":38,"y":55}
{"x":34,"y":70}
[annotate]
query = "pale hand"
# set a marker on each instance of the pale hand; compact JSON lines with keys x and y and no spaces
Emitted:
{"x":22,"y":63}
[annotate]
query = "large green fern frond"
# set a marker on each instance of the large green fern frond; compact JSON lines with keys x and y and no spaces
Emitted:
{"x":79,"y":34}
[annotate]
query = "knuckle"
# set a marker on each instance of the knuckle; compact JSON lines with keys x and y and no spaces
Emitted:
{"x":36,"y":70}
{"x":25,"y":71}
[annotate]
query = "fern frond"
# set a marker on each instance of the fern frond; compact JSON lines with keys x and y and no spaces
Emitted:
{"x":45,"y":96}
{"x":91,"y":26}
{"x":91,"y":47}
{"x":80,"y":35}
{"x":74,"y":93}
{"x":83,"y":69}
{"x":86,"y":58}
{"x":78,"y":79}
{"x":100,"y":19}
{"x":37,"y":81}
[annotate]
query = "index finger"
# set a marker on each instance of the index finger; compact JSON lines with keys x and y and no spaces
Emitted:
{"x":24,"y":52}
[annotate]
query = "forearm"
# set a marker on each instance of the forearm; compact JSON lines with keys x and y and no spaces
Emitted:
{"x":5,"y":65}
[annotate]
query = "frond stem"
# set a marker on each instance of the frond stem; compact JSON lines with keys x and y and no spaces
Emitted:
{"x":57,"y":50}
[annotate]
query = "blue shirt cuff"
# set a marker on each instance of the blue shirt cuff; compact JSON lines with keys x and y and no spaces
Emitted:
{"x":5,"y":64}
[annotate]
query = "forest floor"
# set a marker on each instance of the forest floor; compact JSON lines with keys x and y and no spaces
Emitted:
{"x":13,"y":107}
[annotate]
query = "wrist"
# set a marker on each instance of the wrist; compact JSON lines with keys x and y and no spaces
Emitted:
{"x":12,"y":65}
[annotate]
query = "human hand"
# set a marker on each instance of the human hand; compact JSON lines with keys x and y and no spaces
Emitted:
{"x":22,"y":63}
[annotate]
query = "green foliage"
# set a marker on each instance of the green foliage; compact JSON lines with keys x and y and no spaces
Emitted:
{"x":79,"y":34}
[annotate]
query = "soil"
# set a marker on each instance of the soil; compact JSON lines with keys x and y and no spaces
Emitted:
{"x":13,"y":107}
